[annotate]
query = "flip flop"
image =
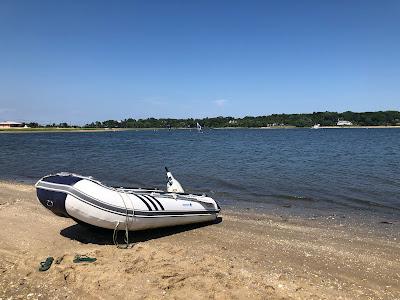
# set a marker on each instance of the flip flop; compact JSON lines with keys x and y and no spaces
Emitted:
{"x":45,"y":265}
{"x":83,"y":258}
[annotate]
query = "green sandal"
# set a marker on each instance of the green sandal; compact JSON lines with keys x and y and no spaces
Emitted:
{"x":83,"y":258}
{"x":45,"y":265}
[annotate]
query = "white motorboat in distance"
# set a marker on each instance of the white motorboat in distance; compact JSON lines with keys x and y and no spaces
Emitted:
{"x":88,"y":201}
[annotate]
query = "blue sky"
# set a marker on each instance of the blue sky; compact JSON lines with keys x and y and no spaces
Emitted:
{"x":81,"y":61}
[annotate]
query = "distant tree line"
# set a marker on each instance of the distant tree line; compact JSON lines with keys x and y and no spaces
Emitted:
{"x":379,"y":118}
{"x":53,"y":125}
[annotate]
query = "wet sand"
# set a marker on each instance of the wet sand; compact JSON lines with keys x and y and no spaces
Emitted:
{"x":246,"y":255}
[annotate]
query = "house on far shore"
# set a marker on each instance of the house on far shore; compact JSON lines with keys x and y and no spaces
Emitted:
{"x":10,"y":124}
{"x":344,"y":123}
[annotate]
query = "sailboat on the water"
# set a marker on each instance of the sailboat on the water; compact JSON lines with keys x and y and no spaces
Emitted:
{"x":199,"y":128}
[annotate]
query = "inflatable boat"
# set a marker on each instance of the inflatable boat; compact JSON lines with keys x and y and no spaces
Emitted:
{"x":88,"y":201}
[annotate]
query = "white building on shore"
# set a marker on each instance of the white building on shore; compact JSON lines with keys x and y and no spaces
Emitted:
{"x":10,"y":124}
{"x":344,"y":123}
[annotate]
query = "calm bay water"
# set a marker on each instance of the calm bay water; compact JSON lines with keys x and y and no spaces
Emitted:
{"x":335,"y":169}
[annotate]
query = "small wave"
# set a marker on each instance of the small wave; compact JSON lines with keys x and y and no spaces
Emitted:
{"x":352,"y":201}
{"x":222,"y":183}
{"x":293,"y":197}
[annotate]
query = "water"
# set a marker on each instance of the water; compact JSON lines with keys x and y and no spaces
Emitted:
{"x":328,"y":169}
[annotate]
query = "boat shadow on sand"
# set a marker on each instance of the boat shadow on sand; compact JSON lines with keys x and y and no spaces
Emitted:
{"x":93,"y":235}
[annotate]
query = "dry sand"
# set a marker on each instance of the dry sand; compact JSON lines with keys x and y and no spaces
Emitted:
{"x":247,"y":255}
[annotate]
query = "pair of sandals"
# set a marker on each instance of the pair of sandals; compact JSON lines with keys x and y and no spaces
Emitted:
{"x":46,"y":264}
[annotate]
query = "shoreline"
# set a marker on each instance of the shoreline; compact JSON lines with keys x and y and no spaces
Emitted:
{"x":357,"y":127}
{"x":365,"y":214}
{"x":264,"y":256}
{"x":58,"y":130}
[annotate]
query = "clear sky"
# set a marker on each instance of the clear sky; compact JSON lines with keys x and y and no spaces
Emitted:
{"x":81,"y":61}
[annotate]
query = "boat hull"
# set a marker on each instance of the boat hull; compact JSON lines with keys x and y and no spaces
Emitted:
{"x":89,"y":201}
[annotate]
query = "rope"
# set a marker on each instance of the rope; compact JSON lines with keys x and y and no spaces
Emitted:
{"x":115,"y":233}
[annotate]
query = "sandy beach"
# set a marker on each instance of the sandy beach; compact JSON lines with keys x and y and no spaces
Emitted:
{"x":246,"y":255}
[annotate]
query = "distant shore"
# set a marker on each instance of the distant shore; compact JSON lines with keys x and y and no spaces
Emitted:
{"x":44,"y":129}
{"x":349,"y":127}
{"x":59,"y":129}
{"x":246,"y":256}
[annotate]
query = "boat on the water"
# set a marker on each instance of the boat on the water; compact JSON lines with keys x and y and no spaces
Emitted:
{"x":199,"y":128}
{"x":88,"y":201}
{"x":316,"y":126}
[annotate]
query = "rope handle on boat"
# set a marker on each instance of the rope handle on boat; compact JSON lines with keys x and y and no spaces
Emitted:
{"x":115,"y":237}
{"x":115,"y":233}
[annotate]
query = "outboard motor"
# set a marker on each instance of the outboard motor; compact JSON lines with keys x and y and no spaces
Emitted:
{"x":173,"y":185}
